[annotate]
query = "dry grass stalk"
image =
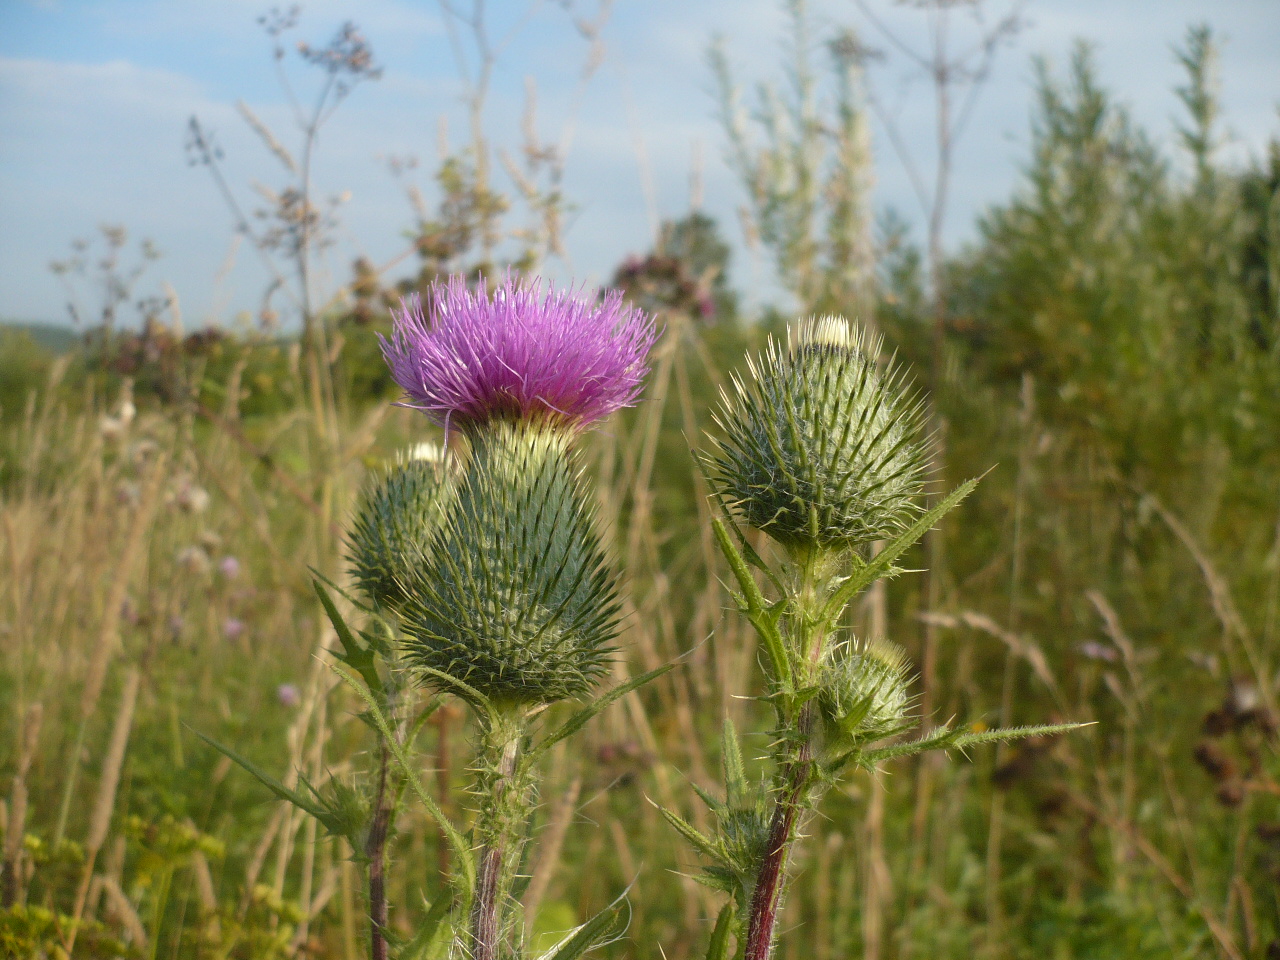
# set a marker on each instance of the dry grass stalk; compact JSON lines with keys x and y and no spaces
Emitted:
{"x":104,"y":806}
{"x":12,"y":888}
{"x":108,"y":638}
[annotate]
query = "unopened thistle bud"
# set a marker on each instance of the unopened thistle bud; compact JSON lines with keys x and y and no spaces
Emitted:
{"x":864,"y":695}
{"x":820,"y":447}
{"x":397,"y":517}
{"x":516,"y":599}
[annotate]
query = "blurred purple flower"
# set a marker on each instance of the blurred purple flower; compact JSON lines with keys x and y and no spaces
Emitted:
{"x":474,"y":356}
{"x":229,"y":567}
{"x":233,"y":628}
{"x":288,"y":695}
{"x":1097,"y":651}
{"x":175,"y":624}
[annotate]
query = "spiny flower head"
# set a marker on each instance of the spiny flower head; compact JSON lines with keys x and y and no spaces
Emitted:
{"x":516,"y":597}
{"x":864,"y":694}
{"x":819,"y":446}
{"x":474,"y":356}
{"x":397,"y":517}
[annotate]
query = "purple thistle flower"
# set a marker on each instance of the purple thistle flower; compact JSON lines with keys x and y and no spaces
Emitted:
{"x":518,"y":353}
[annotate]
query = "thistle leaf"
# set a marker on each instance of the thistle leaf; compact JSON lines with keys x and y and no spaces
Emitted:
{"x":705,"y":846}
{"x":416,"y":949}
{"x":882,"y":562}
{"x":312,"y":804}
{"x":596,"y":706}
{"x":599,"y":931}
{"x":735,"y":777}
{"x":359,"y":657}
{"x":718,"y":948}
{"x":457,"y":843}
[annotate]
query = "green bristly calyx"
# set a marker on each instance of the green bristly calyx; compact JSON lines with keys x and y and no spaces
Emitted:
{"x":515,"y":598}
{"x":820,"y":446}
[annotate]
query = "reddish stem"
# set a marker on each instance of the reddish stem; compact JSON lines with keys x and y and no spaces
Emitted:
{"x":375,"y":850}
{"x":771,"y":881}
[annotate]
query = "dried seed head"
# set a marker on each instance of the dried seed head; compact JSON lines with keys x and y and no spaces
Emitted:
{"x":516,"y":598}
{"x":820,"y":448}
{"x":397,"y":517}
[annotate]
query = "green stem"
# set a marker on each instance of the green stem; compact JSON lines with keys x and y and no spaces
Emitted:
{"x":504,"y":784}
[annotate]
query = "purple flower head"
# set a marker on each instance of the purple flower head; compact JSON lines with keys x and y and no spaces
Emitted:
{"x":518,"y":353}
{"x":288,"y":695}
{"x":233,"y":628}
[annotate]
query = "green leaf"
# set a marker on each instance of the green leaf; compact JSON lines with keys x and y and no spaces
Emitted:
{"x":945,"y":738}
{"x":735,"y":777}
{"x":718,"y":948}
{"x":583,"y":716}
{"x":416,"y":949}
{"x":461,"y":849}
{"x":601,"y":929}
{"x":972,"y":738}
{"x":460,"y":688}
{"x":691,"y":833}
{"x":758,"y":611}
{"x":358,"y":656}
{"x":308,"y":804}
{"x":882,"y":562}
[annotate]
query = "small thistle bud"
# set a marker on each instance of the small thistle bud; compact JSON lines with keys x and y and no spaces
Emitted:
{"x":396,"y":520}
{"x":516,"y":598}
{"x":864,"y":693}
{"x":820,"y":447}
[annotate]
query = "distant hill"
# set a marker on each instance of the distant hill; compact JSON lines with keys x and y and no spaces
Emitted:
{"x":54,"y":337}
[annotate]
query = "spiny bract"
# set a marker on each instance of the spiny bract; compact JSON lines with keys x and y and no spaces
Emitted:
{"x":516,"y":598}
{"x":397,"y":517}
{"x":864,"y":694}
{"x":819,"y":447}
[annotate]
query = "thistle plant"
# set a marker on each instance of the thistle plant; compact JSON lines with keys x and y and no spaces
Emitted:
{"x":821,"y":449}
{"x":483,"y":577}
{"x":505,"y":596}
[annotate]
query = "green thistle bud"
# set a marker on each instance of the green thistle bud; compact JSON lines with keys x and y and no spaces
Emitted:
{"x":396,"y":520}
{"x":864,"y":694}
{"x":820,"y":447}
{"x":516,"y":598}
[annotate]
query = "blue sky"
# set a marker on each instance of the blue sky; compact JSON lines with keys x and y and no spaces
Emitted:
{"x":95,"y":96}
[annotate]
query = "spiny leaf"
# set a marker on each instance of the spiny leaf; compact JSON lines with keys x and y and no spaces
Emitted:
{"x":691,"y":833}
{"x":883,"y":561}
{"x":460,"y":687}
{"x":416,"y":949}
{"x":461,"y":849}
{"x":583,"y":716}
{"x":600,"y":930}
{"x":758,"y":610}
{"x":735,"y":777}
{"x":718,"y":948}
{"x":945,"y":738}
{"x":359,"y":657}
{"x":311,"y":805}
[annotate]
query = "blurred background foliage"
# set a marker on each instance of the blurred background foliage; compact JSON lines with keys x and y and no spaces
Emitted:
{"x":1108,"y":348}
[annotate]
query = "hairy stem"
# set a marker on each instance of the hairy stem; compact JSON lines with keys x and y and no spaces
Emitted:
{"x":504,"y":786}
{"x":375,"y":850}
{"x":771,"y":880}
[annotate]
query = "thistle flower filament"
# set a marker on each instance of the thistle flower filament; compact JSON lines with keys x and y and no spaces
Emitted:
{"x":473,"y":356}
